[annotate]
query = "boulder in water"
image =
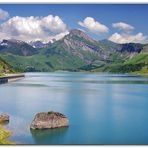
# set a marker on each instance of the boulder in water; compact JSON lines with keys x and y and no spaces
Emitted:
{"x":46,"y":120}
{"x":4,"y":117}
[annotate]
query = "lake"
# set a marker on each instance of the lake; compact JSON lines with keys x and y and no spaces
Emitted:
{"x":102,"y":108}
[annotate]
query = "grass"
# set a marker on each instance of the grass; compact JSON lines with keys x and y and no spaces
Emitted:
{"x":1,"y":74}
{"x":4,"y":134}
{"x":140,"y":58}
{"x":136,"y":65}
{"x":142,"y":71}
{"x":49,"y":113}
{"x":5,"y":68}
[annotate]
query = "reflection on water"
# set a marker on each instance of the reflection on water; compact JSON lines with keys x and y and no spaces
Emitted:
{"x":102,"y":108}
{"x":47,"y":136}
{"x":29,"y":85}
{"x":109,"y":82}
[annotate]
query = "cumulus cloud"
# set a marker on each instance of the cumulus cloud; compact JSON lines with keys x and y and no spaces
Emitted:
{"x":122,"y":26}
{"x":128,"y":38}
{"x":60,"y":35}
{"x":94,"y":26}
{"x":3,"y":14}
{"x":32,"y":28}
{"x":4,"y":36}
{"x":54,"y":24}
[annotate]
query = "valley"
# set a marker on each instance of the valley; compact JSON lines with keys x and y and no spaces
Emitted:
{"x":75,"y":52}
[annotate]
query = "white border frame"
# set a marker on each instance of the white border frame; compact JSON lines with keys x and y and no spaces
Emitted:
{"x":72,"y":2}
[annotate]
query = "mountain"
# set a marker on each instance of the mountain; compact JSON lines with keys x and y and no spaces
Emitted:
{"x":74,"y":52}
{"x":39,"y":44}
{"x":136,"y":62}
{"x":77,"y":51}
{"x":131,"y":48}
{"x":17,"y":47}
{"x":110,"y":45}
{"x":145,"y":48}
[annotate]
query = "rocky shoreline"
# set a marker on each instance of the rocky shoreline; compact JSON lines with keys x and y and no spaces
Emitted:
{"x":4,"y":133}
{"x":42,"y":120}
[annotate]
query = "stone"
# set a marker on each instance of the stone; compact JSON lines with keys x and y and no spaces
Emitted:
{"x":47,"y":120}
{"x":4,"y":117}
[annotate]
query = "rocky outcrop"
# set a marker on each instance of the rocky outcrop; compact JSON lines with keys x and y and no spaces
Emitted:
{"x":81,"y":34}
{"x":46,"y":120}
{"x":4,"y":117}
{"x":131,"y":47}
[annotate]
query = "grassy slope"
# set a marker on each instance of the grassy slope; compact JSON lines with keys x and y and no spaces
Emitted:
{"x":5,"y":68}
{"x":137,"y":64}
{"x":52,"y":62}
{"x":41,"y":62}
{"x":140,"y":59}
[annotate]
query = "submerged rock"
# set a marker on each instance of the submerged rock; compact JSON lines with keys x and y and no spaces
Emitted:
{"x":46,"y":120}
{"x":4,"y":117}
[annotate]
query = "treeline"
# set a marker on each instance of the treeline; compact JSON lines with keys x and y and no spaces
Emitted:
{"x":126,"y":68}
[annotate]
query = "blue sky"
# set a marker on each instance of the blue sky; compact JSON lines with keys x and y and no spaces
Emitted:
{"x":70,"y":14}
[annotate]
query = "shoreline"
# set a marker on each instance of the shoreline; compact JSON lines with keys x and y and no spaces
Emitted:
{"x":11,"y":78}
{"x":5,"y":135}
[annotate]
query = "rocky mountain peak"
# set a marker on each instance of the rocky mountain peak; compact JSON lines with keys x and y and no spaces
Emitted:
{"x":81,"y":34}
{"x":10,"y":42}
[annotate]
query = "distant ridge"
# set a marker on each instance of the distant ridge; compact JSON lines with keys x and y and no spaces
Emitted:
{"x":76,"y":51}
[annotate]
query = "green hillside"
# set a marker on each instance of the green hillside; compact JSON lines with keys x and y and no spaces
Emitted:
{"x":5,"y":68}
{"x":140,"y":59}
{"x":75,"y":52}
{"x":136,"y":64}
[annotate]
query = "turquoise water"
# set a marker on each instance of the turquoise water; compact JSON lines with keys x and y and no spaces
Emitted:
{"x":102,"y":108}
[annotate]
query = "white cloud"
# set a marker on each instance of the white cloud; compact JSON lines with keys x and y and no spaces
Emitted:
{"x":60,"y":35}
{"x":3,"y":14}
{"x":4,"y":36}
{"x":128,"y":38}
{"x":93,"y":26}
{"x":32,"y":28}
{"x":22,"y":26}
{"x":54,"y":24}
{"x":122,"y":26}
